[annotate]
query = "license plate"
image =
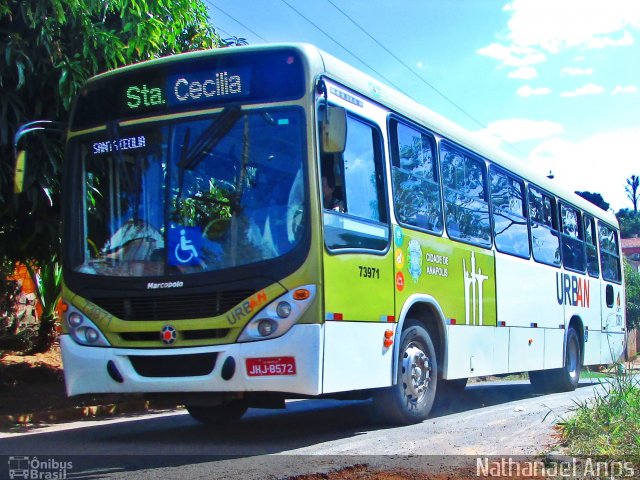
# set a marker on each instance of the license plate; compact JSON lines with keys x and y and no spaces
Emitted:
{"x":261,"y":367}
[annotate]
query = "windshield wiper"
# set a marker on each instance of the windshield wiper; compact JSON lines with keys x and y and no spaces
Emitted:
{"x":209,"y":138}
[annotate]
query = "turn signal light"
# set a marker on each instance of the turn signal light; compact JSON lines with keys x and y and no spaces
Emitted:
{"x":388,"y":338}
{"x":301,"y":294}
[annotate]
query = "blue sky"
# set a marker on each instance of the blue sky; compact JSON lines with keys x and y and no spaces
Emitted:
{"x":553,"y":82}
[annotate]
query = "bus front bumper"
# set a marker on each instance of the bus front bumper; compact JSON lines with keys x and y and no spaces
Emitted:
{"x":290,"y":364}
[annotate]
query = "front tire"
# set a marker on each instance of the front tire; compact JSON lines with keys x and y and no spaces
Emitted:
{"x":218,"y":414}
{"x":411,"y":398}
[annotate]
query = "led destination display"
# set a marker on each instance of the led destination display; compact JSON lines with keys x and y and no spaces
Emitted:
{"x":185,"y":83}
{"x":192,"y":88}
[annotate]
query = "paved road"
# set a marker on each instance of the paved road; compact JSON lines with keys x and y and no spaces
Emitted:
{"x":497,"y":418}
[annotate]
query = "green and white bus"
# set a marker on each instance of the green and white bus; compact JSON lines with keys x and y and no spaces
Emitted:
{"x":252,"y":224}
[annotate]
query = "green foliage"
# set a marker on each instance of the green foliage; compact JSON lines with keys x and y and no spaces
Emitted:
{"x":594,"y":198}
{"x":632,"y":280}
{"x":608,"y":424}
{"x":49,"y":48}
{"x":629,"y":222}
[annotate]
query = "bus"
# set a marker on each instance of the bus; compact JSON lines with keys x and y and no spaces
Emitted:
{"x":253,"y":224}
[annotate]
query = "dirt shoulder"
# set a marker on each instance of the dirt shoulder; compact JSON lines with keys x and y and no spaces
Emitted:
{"x":32,"y":393}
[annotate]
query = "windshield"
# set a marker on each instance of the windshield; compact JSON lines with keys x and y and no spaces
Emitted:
{"x":189,"y":196}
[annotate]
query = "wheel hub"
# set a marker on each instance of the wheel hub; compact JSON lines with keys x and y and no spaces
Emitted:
{"x":416,"y":372}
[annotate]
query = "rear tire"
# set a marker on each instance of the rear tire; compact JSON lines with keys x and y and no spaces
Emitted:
{"x":410,"y":400}
{"x":568,"y":377}
{"x":218,"y":414}
{"x":563,"y":379}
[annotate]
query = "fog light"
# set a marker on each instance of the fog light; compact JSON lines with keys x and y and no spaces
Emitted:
{"x":75,"y":320}
{"x":266,"y":327}
{"x":91,"y":335}
{"x":283,"y":309}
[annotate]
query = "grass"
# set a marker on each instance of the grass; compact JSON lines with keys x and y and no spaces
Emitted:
{"x":609,"y":423}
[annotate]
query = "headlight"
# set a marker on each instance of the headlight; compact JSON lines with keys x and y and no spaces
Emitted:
{"x":83,"y":330}
{"x":283,"y":309}
{"x":74,"y":320}
{"x":279,"y":316}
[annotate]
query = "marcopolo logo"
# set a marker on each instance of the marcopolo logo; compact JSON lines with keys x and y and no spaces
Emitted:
{"x":38,"y":469}
{"x":155,"y":286}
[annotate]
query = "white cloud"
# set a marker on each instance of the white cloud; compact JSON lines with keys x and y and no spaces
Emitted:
{"x":602,"y":42}
{"x":516,"y":130}
{"x":599,"y":164}
{"x":574,"y":71}
{"x":524,"y":73}
{"x":420,"y":65}
{"x":528,"y":91}
{"x":555,"y":25}
{"x":588,"y":89}
{"x":513,"y":56}
{"x":628,"y":89}
{"x":539,"y":26}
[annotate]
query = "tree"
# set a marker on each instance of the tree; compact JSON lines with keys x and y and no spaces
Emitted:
{"x":633,"y":191}
{"x":50,"y":48}
{"x":594,"y":198}
{"x":629,"y":222}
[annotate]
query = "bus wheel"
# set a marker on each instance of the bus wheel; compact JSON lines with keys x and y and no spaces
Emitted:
{"x":411,"y":398}
{"x":567,"y":377}
{"x":218,"y":414}
{"x":563,"y":379}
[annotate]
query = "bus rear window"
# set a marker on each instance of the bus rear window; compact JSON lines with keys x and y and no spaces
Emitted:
{"x":609,"y":256}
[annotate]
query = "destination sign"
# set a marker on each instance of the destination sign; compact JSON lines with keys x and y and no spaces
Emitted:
{"x":187,"y":82}
{"x":129,"y":143}
{"x":194,"y":88}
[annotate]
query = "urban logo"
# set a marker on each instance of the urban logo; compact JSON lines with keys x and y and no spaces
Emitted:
{"x":247,"y":307}
{"x":572,"y":290}
{"x":473,"y":292}
{"x":36,"y":469}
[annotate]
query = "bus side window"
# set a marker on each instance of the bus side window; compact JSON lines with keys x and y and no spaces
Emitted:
{"x":416,"y":191}
{"x":510,"y":227}
{"x":465,"y":195}
{"x":609,"y":256}
{"x":362,"y":221}
{"x":574,"y":255}
{"x":544,"y":228}
{"x":593,"y":266}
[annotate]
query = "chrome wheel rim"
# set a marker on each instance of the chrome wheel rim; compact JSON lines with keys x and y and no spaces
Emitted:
{"x":416,"y":373}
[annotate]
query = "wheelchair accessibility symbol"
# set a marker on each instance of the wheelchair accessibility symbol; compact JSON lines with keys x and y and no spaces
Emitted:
{"x":184,"y":243}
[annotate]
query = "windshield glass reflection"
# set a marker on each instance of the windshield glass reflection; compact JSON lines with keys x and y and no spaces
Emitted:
{"x":190,"y":197}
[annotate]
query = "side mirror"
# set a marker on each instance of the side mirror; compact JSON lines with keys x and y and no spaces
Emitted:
{"x":18,"y":173}
{"x":333,"y":129}
{"x":46,"y":126}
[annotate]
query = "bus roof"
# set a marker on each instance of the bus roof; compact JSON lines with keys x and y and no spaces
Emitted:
{"x":321,"y":62}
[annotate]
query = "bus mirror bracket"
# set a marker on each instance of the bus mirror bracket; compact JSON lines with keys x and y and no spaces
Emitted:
{"x":334,"y":129}
{"x":20,"y":155}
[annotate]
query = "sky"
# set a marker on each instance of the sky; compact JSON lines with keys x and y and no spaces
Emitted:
{"x":555,"y":83}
